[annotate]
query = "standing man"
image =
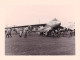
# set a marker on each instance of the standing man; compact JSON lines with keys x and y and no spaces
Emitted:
{"x":10,"y":34}
{"x":7,"y":34}
{"x":29,"y":29}
{"x":20,"y":33}
{"x":58,"y":32}
{"x":25,"y":32}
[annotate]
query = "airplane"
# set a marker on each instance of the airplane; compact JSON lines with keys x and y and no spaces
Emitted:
{"x":45,"y":28}
{"x":49,"y":27}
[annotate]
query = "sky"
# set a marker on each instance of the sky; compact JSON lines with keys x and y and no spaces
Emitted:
{"x":20,"y":15}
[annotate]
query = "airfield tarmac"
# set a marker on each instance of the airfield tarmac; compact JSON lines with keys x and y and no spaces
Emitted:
{"x":35,"y":44}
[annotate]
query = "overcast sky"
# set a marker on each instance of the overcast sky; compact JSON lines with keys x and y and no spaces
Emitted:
{"x":19,"y":15}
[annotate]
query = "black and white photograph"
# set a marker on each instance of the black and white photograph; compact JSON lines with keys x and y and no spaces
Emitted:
{"x":39,"y":30}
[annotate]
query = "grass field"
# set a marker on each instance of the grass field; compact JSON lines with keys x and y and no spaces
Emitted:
{"x":39,"y":45}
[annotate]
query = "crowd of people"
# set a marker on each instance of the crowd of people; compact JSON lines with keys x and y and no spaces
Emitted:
{"x":21,"y":32}
{"x":59,"y":32}
{"x":27,"y":31}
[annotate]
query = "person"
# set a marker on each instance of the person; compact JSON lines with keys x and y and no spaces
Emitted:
{"x":52,"y":33}
{"x":29,"y":29}
{"x":20,"y":33}
{"x":74,"y":32}
{"x":69,"y":33}
{"x":25,"y":32}
{"x":58,"y":33}
{"x":8,"y":33}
